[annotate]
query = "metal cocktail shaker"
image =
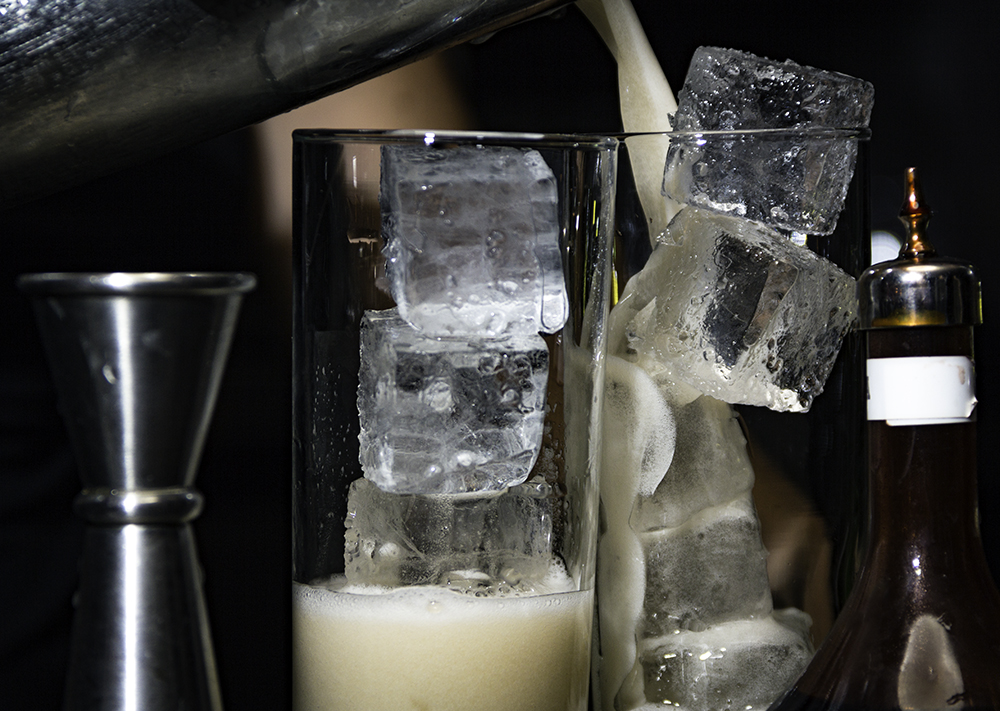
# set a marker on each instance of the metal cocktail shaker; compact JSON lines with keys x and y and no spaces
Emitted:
{"x":137,"y":360}
{"x":93,"y":86}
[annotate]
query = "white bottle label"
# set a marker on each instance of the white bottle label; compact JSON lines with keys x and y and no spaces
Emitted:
{"x":927,"y":390}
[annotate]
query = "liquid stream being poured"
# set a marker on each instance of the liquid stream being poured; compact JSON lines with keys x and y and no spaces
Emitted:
{"x":645,"y":97}
{"x":646,"y":103}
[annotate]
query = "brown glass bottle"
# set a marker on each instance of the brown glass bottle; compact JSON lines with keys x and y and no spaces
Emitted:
{"x":921,"y":629}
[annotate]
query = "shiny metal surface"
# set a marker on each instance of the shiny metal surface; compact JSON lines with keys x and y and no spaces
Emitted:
{"x":918,"y":288}
{"x":137,"y":360}
{"x":935,"y":291}
{"x":140,"y":634}
{"x":91,"y":86}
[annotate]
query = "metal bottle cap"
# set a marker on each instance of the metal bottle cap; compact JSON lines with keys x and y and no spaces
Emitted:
{"x":918,"y":288}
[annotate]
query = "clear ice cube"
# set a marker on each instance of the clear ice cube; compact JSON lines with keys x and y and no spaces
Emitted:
{"x":710,"y":570}
{"x":472,"y":239}
{"x":727,"y":89}
{"x":499,"y":542}
{"x":710,"y":466}
{"x":448,"y":415}
{"x":741,"y":313}
{"x":738,"y":666}
{"x":795,"y":181}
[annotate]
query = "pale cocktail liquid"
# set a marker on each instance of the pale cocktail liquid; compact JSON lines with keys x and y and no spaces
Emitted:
{"x":431,"y":649}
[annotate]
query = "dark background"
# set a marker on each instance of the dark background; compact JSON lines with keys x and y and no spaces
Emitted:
{"x":936,"y":91}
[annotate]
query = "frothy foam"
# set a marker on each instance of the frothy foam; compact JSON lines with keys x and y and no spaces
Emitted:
{"x":429,"y":649}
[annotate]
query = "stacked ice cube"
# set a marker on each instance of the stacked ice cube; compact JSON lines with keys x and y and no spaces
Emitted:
{"x":473,"y":544}
{"x":472,"y":240}
{"x":728,"y":309}
{"x":448,"y":415}
{"x":792,"y":181}
{"x":740,"y":311}
{"x":453,"y":381}
{"x":736,"y":665}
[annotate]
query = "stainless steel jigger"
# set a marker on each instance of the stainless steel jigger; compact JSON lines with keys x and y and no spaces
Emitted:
{"x":137,"y":360}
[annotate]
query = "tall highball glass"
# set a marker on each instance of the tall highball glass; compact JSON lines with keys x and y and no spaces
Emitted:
{"x":451,"y":291}
{"x":732,"y":490}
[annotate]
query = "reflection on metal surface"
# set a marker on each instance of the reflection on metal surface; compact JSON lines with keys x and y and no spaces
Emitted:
{"x":137,"y":360}
{"x":91,"y":86}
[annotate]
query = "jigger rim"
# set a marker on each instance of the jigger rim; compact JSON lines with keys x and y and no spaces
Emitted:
{"x":145,"y":283}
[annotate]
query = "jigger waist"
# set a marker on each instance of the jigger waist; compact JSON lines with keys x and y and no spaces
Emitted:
{"x":170,"y":505}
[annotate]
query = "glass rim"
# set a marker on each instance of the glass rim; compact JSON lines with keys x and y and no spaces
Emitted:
{"x":430,"y":137}
{"x":861,"y":134}
{"x":560,"y":140}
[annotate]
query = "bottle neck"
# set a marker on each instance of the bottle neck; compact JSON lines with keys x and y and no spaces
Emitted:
{"x":922,"y":489}
{"x":924,"y":602}
{"x":922,"y":479}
